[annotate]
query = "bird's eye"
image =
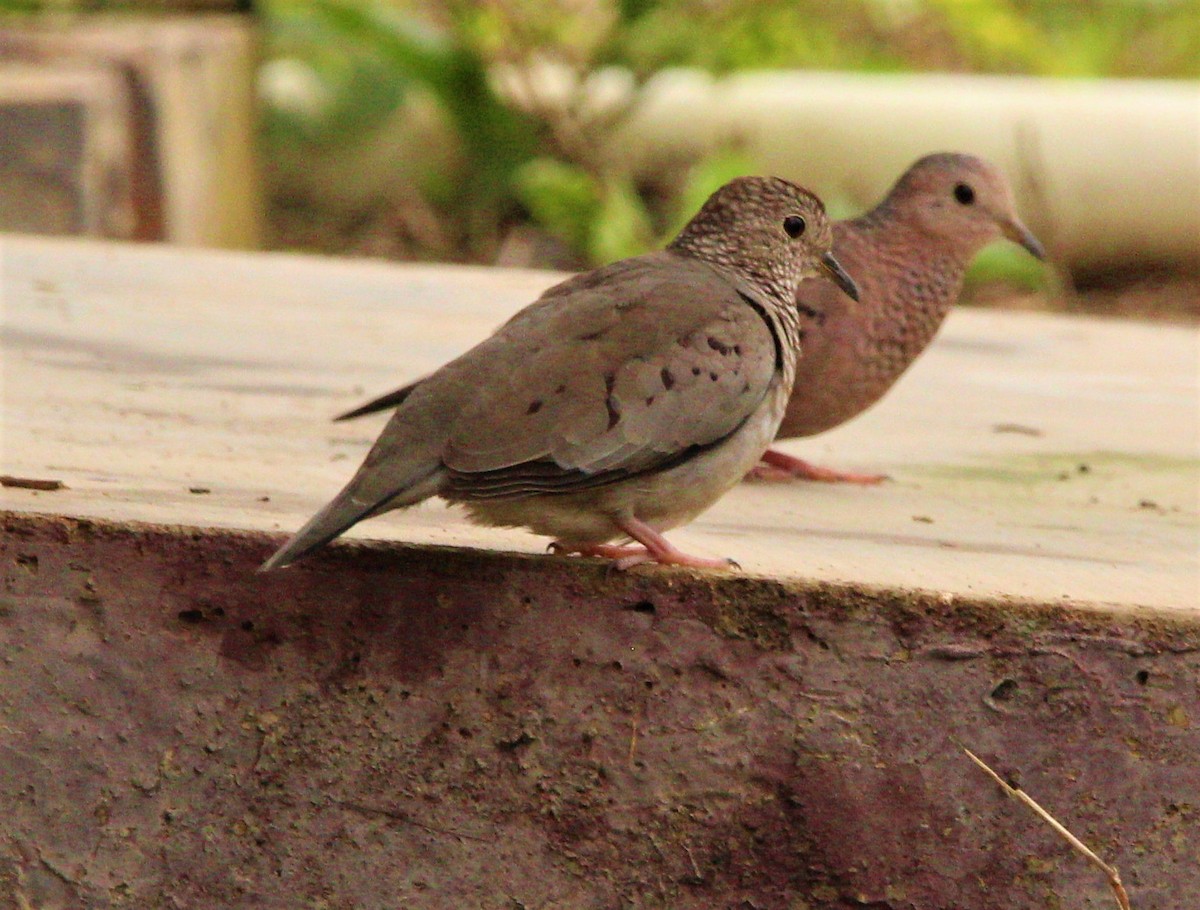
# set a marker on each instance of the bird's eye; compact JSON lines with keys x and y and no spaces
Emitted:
{"x":964,"y":194}
{"x":794,"y":225}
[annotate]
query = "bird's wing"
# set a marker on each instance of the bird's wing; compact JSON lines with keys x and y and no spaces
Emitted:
{"x":622,"y":373}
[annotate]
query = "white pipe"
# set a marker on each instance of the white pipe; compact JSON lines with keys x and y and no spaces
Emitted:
{"x":1107,"y":172}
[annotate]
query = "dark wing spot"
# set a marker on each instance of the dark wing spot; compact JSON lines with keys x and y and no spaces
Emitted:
{"x":737,"y":350}
{"x":562,"y":388}
{"x":591,"y":336}
{"x":668,"y":378}
{"x":800,"y":335}
{"x":614,"y":411}
{"x":649,"y":400}
{"x":696,"y":371}
{"x":718,"y":346}
{"x":713,"y":375}
{"x":534,"y":406}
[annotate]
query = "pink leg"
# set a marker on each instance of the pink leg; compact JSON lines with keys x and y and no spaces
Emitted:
{"x":778,"y":466}
{"x":660,"y":550}
{"x":655,"y":548}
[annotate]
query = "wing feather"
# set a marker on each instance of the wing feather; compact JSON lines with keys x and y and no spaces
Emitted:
{"x":592,"y":385}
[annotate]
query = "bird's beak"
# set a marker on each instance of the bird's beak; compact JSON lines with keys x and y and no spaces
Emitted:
{"x":833,"y":269}
{"x":1018,"y":233}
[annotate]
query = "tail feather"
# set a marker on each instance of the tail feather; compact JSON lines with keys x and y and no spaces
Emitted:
{"x":337,"y":517}
{"x":382,"y":403}
{"x":346,"y":510}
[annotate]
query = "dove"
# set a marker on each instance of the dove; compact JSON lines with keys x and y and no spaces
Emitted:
{"x":909,"y":255}
{"x":620,"y":404}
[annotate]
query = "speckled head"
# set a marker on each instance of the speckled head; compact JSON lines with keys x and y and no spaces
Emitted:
{"x":961,"y":201}
{"x":766,"y":231}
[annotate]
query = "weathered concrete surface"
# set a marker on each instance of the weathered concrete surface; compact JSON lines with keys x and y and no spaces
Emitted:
{"x":393,"y":726}
{"x":1035,"y":456}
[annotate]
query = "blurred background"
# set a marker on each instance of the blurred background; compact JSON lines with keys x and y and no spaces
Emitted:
{"x":566,"y":133}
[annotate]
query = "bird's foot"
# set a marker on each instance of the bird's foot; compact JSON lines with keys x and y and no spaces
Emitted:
{"x":776,"y":466}
{"x":660,"y":550}
{"x":654,"y":548}
{"x":674,"y":558}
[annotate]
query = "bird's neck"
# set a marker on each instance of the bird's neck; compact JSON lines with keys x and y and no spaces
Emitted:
{"x":772,"y":282}
{"x":772,"y":299}
{"x":918,"y":272}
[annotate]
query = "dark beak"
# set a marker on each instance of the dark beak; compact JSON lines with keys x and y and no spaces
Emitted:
{"x":1018,"y":233}
{"x":833,"y":269}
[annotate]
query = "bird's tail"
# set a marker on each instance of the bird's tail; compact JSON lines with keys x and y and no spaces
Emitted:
{"x":382,"y":403}
{"x":347,"y":509}
{"x":339,"y":516}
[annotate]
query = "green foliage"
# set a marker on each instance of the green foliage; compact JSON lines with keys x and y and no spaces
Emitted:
{"x":622,"y":224}
{"x":703,"y":179}
{"x":561,"y":197}
{"x":768,"y":34}
{"x":1004,"y":262}
{"x":1125,"y":38}
{"x":371,"y":59}
{"x":607,"y":218}
{"x":1128,"y":38}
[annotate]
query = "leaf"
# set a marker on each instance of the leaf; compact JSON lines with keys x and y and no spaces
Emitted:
{"x":1011,"y":265}
{"x":622,"y":226}
{"x":704,"y":179}
{"x":561,"y":198}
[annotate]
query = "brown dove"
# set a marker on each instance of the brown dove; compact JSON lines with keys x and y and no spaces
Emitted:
{"x":620,"y":404}
{"x":909,"y":255}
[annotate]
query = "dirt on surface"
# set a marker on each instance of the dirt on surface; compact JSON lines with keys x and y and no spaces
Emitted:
{"x":422,"y":727}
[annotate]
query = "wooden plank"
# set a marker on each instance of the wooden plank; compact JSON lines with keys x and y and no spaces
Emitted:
{"x":1033,"y":456}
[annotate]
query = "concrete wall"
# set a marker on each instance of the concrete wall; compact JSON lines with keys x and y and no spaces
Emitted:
{"x":390,"y":726}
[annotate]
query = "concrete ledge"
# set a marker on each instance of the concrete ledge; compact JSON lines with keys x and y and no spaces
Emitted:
{"x":442,"y":727}
{"x":1041,"y":457}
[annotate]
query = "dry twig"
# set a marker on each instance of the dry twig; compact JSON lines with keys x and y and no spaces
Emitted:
{"x":1114,"y":877}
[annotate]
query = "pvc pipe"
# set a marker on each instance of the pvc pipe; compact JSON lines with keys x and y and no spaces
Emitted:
{"x":1106,"y":172}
